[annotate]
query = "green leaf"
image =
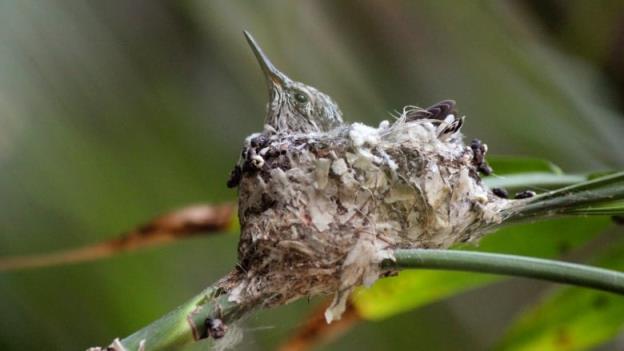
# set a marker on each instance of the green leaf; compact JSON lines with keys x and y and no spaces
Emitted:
{"x":571,"y":318}
{"x":538,"y":180}
{"x":514,"y":172}
{"x":412,"y":289}
{"x":415,"y":288}
{"x":514,"y":164}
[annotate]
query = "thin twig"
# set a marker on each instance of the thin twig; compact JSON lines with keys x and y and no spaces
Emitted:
{"x":180,"y":224}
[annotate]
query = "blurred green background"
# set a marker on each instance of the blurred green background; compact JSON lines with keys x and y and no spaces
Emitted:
{"x":114,"y":111}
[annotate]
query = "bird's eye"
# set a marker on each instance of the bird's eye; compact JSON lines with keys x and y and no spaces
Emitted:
{"x":301,"y":98}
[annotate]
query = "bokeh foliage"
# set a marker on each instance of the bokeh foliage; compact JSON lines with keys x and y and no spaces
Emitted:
{"x":113,"y":111}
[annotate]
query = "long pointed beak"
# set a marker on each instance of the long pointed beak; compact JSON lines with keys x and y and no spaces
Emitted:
{"x":273,"y":75}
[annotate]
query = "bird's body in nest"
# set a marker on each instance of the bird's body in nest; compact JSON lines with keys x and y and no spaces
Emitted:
{"x":322,"y":203}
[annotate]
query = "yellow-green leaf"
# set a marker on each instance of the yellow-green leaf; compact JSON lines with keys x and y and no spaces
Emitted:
{"x":571,"y":318}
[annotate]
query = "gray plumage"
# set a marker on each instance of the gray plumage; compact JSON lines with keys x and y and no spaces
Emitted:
{"x":293,"y":106}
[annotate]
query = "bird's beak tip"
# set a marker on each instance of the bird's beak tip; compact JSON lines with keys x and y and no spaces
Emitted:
{"x":272,"y":73}
{"x":249,"y":38}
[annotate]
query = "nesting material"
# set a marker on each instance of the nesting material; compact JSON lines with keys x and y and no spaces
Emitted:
{"x":320,"y":211}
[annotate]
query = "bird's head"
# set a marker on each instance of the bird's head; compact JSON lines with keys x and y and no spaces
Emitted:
{"x":294,"y":106}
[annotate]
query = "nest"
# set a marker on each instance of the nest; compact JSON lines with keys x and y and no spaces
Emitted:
{"x":320,"y":211}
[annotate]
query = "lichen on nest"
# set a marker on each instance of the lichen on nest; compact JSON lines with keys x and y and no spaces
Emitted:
{"x":319,"y":211}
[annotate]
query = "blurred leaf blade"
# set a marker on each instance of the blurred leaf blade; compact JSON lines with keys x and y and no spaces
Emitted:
{"x":612,"y":208}
{"x":570,"y":318}
{"x":516,"y":172}
{"x":505,"y":164}
{"x":531,"y":180}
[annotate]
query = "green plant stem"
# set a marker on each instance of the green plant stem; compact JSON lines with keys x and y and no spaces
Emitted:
{"x":529,"y":267}
{"x":175,"y":330}
{"x":577,"y":199}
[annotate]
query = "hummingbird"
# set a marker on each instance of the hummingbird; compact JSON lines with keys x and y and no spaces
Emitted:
{"x":323,"y":202}
{"x":294,"y":107}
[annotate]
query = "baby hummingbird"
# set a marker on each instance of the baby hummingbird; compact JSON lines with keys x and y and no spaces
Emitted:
{"x":294,"y":107}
